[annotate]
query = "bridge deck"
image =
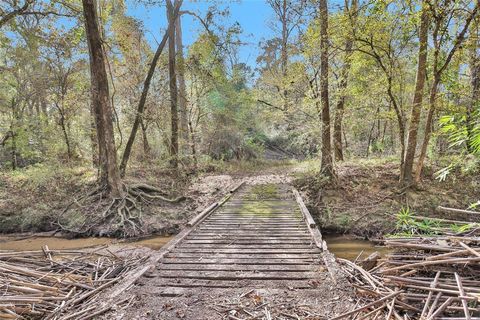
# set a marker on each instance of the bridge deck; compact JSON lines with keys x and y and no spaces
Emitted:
{"x":257,"y":256}
{"x":259,"y":238}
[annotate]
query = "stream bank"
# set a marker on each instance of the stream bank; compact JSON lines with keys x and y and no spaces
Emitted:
{"x":366,"y":198}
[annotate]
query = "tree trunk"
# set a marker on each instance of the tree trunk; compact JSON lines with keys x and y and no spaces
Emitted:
{"x":342,"y":87}
{"x":437,"y":76}
{"x":406,"y":175}
{"x":400,"y":120}
{"x":428,"y":126}
{"x":65,"y":135}
{"x":109,"y":173}
{"x":284,"y":57}
{"x":13,"y":134}
{"x":474,"y":82}
{"x":93,"y":139}
{"x":327,"y":160}
{"x":146,"y":145}
{"x":182,"y":91}
{"x":192,"y":145}
{"x":173,"y":86}
{"x":143,"y":97}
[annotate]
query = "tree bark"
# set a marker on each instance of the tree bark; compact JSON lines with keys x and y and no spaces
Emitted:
{"x":406,"y":175}
{"x":474,"y":82}
{"x":173,"y":86}
{"x":342,"y":87}
{"x":93,"y":139}
{"x":327,"y":160}
{"x":65,"y":136}
{"x":284,"y":56}
{"x":182,"y":90}
{"x":146,"y":145}
{"x":109,"y":173}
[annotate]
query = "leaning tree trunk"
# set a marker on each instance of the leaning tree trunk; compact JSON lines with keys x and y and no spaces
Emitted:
{"x":327,"y":160}
{"x":173,"y":87}
{"x":143,"y":97}
{"x":109,"y":173}
{"x":406,"y":175}
{"x":342,"y":87}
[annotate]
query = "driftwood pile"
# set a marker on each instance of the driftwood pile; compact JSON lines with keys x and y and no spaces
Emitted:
{"x":58,"y":284}
{"x":424,"y":278}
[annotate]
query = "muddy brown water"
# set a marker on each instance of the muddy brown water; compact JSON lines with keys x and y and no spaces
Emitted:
{"x":350,"y":248}
{"x":340,"y":245}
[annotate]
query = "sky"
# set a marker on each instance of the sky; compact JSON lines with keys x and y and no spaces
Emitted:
{"x":254,"y":16}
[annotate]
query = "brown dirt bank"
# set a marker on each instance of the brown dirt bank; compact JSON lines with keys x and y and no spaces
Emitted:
{"x":32,"y":200}
{"x":367,"y":196}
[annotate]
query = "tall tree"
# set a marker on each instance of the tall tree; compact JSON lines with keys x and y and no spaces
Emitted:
{"x":441,"y":21}
{"x":289,"y":14}
{"x":381,"y":35}
{"x":182,"y":91}
{"x":143,"y":98}
{"x":342,"y":86}
{"x":172,"y":85}
{"x":474,"y":104}
{"x":327,"y":160}
{"x":406,"y":175}
{"x":109,"y":173}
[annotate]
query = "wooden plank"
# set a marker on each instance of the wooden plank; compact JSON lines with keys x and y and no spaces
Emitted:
{"x":254,"y":228}
{"x":248,"y":251}
{"x":259,"y":219}
{"x":201,"y":283}
{"x":202,"y":214}
{"x":216,"y":236}
{"x":237,"y":275}
{"x":291,"y":223}
{"x":243,"y":261}
{"x":239,"y":267}
{"x":268,"y":256}
{"x":250,"y":234}
{"x":246,"y":241}
{"x":303,"y":208}
{"x":314,"y":231}
{"x":245,"y":246}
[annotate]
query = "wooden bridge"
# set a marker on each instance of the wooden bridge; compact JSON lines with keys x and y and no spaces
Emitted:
{"x":259,"y":237}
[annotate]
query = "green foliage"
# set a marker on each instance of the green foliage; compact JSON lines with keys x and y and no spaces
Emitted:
{"x":408,"y":225}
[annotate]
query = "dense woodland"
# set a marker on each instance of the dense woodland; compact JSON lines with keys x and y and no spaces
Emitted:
{"x":82,"y":86}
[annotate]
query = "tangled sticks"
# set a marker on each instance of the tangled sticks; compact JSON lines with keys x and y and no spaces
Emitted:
{"x":424,"y":278}
{"x":96,"y":210}
{"x":59,"y":284}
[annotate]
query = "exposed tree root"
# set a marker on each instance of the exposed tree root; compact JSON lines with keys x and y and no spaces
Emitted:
{"x":96,"y":210}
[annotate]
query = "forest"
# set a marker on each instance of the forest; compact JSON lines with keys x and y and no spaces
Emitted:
{"x":173,"y":134}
